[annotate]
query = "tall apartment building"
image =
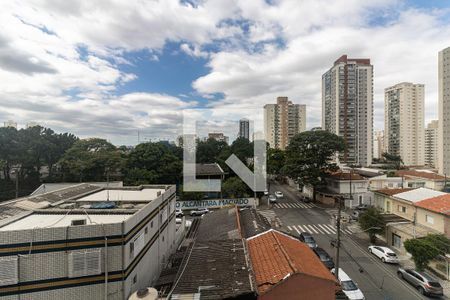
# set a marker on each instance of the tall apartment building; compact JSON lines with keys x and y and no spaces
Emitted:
{"x":378,"y":144}
{"x":431,"y":144}
{"x":444,"y":112}
{"x":404,"y":122}
{"x":347,"y":107}
{"x":244,"y":129}
{"x":282,"y":121}
{"x":85,"y":242}
{"x":10,"y":123}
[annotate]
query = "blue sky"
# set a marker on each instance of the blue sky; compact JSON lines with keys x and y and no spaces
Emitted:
{"x":112,"y":70}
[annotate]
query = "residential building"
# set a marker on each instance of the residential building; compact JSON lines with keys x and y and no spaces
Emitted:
{"x":378,"y":144}
{"x":285,"y":268}
{"x":180,"y":139}
{"x":431,"y":144}
{"x":244,"y":129}
{"x":435,"y":213}
{"x":404,"y":122}
{"x":347,"y":107}
{"x":444,"y":111}
{"x":427,"y":179}
{"x":282,"y":121}
{"x":10,"y":123}
{"x":86,"y":241}
{"x":218,"y":136}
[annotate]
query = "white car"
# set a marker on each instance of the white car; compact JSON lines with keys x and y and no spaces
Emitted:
{"x":266,"y":192}
{"x":384,"y":253}
{"x":349,"y":287}
{"x":272,"y":199}
{"x":199,"y":212}
{"x":279,"y":194}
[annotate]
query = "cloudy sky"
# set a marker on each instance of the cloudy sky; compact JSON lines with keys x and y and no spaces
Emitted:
{"x":113,"y":68}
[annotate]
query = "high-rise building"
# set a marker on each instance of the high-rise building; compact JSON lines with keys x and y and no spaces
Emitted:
{"x":378,"y":144}
{"x":10,"y":123}
{"x":347,"y":107}
{"x":404,"y":122}
{"x":244,"y":129}
{"x":431,"y":144}
{"x":282,"y":121}
{"x":218,"y":136}
{"x":444,"y":112}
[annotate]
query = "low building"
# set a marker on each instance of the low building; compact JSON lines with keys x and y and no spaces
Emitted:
{"x":427,"y":179}
{"x":286,"y":268}
{"x":435,"y":213}
{"x":85,"y":241}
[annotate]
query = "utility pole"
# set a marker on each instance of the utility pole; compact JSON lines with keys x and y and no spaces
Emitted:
{"x":338,"y":238}
{"x":17,"y":183}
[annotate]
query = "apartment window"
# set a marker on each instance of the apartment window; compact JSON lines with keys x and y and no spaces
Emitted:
{"x":146,"y":230}
{"x":134,"y":279}
{"x":8,"y":270}
{"x":429,"y":219}
{"x":402,"y":209}
{"x":84,"y":263}
{"x":151,"y":224}
{"x":137,"y":245}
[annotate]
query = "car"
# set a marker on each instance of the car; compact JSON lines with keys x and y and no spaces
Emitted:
{"x":333,"y":243}
{"x":424,"y":283}
{"x":384,"y":253}
{"x":179,"y":213}
{"x":266,"y":192}
{"x":178,"y":220}
{"x":308,"y":239}
{"x":199,"y":212}
{"x":272,"y":199}
{"x":349,"y":287}
{"x":324,"y":257}
{"x":279,"y":194}
{"x":307,"y":199}
{"x":362,"y":207}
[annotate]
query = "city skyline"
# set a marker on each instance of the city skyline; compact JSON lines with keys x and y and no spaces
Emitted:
{"x":81,"y":78}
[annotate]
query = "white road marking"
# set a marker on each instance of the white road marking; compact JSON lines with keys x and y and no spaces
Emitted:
{"x":324,"y":228}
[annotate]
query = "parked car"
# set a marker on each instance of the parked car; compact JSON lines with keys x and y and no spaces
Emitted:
{"x":178,"y":213}
{"x":272,"y":199}
{"x":308,"y":239}
{"x":178,"y":220}
{"x":424,"y":283}
{"x":279,"y":194}
{"x":384,"y":253}
{"x":266,"y":192}
{"x":349,"y":287}
{"x":362,"y":207}
{"x":324,"y":257}
{"x":199,"y":212}
{"x":307,"y":199}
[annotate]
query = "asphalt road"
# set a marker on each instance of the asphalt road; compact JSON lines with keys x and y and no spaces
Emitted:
{"x":377,"y":280}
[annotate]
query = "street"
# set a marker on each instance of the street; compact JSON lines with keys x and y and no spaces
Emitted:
{"x":375,"y":279}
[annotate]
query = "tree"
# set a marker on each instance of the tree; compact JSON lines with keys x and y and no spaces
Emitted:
{"x":371,"y":222}
{"x":395,"y":160}
{"x":423,"y":250}
{"x":309,"y":157}
{"x":234,"y":187}
{"x":275,"y":161}
{"x":91,"y":160}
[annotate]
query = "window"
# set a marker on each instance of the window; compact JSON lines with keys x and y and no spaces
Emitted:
{"x":84,"y":263}
{"x":78,"y":222}
{"x":8,"y":270}
{"x":146,"y":230}
{"x":137,"y":245}
{"x":360,"y":199}
{"x":134,"y":279}
{"x":163,"y":238}
{"x":402,"y":209}
{"x":151,"y":224}
{"x":429,"y":219}
{"x":396,"y":241}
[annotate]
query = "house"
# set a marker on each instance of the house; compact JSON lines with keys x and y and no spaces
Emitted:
{"x":285,"y":268}
{"x":86,"y":241}
{"x":427,"y":179}
{"x":435,"y":213}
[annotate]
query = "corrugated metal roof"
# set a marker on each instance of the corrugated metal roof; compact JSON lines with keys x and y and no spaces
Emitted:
{"x":418,"y":194}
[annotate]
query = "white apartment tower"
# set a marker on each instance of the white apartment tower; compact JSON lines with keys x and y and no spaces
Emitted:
{"x":347,"y":107}
{"x":431,"y":144}
{"x":444,"y":112}
{"x":282,"y":121}
{"x":404,"y":122}
{"x":378,"y":144}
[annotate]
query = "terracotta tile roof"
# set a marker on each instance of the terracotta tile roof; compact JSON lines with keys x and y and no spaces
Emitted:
{"x":413,"y":173}
{"x":392,"y":192}
{"x":275,"y":256}
{"x":439,"y":204}
{"x":345,"y":176}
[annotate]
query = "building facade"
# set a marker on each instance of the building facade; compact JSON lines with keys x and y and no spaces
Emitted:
{"x":347,"y":107}
{"x":244,"y":129}
{"x":378,"y":144}
{"x":444,"y":111}
{"x":404,"y":122}
{"x":431,"y":144}
{"x":85,"y":242}
{"x":218,"y":136}
{"x":10,"y":123}
{"x":282,"y":121}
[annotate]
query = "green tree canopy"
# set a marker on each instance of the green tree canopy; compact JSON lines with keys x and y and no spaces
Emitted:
{"x":394,"y":160}
{"x":424,"y":249}
{"x":309,"y":156}
{"x":234,"y":187}
{"x":371,"y":222}
{"x":275,"y":161}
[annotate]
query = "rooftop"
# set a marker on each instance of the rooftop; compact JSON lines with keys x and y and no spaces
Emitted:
{"x":209,"y":169}
{"x":252,"y":223}
{"x":275,"y":256}
{"x":392,"y":192}
{"x":346,"y":176}
{"x":51,"y":187}
{"x":439,"y":204}
{"x":418,"y":194}
{"x":420,"y":174}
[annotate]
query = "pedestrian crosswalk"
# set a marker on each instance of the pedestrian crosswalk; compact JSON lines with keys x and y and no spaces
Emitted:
{"x":294,"y":205}
{"x":317,"y":229}
{"x":270,"y":216}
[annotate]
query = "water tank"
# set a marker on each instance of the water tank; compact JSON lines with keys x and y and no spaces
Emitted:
{"x":144,"y":294}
